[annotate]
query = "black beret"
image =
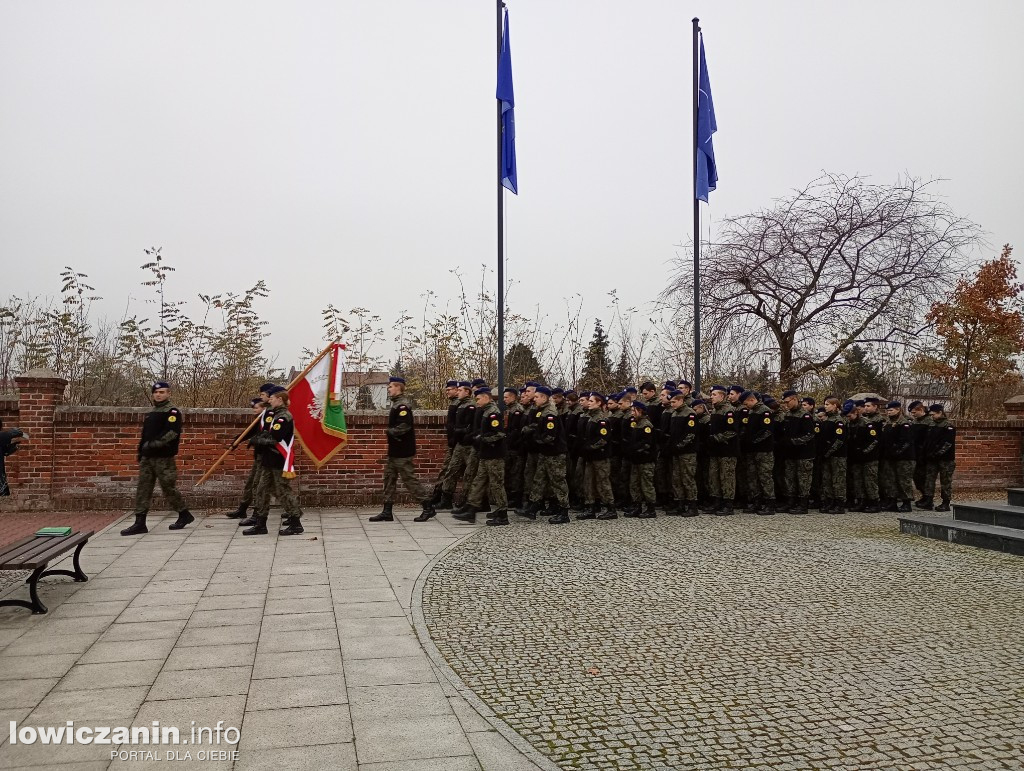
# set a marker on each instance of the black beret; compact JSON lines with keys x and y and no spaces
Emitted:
{"x":542,"y":389}
{"x":937,"y":408}
{"x":160,"y":384}
{"x":395,"y":379}
{"x":893,"y":405}
{"x":788,"y":392}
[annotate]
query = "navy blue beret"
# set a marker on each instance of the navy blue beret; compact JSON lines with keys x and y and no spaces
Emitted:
{"x":483,"y":390}
{"x":937,"y":408}
{"x":542,"y":389}
{"x":265,"y":388}
{"x":716,"y":387}
{"x":639,"y":405}
{"x":788,"y":392}
{"x":746,"y":395}
{"x":396,"y":379}
{"x":452,"y":384}
{"x":893,"y":405}
{"x":808,"y":400}
{"x":160,"y":384}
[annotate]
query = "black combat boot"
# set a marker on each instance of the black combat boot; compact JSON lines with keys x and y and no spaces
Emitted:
{"x":904,"y":506}
{"x":826,"y":506}
{"x":590,"y":511}
{"x":292,"y":526}
{"x":926,"y":504}
{"x":469,"y":515}
{"x":460,"y":508}
{"x":711,"y":506}
{"x":944,"y":506}
{"x":752,"y":505}
{"x":561,"y":517}
{"x":497,"y":518}
{"x":632,"y":510}
{"x":648,"y":512}
{"x":445,"y":503}
{"x":248,"y":521}
{"x":608,"y":513}
{"x":890,"y":504}
{"x":768,"y":509}
{"x":676,"y":509}
{"x":239,"y":513}
{"x":429,"y":512}
{"x":386,"y":514}
{"x":258,"y":528}
{"x":576,"y":506}
{"x":800,"y":507}
{"x":139,"y":527}
{"x":436,"y":496}
{"x":689,"y":509}
{"x":184,"y":518}
{"x":872,"y":507}
{"x":530,"y":511}
{"x":839,"y":508}
{"x":725,"y":508}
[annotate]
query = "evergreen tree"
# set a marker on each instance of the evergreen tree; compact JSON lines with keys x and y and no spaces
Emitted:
{"x":858,"y":374}
{"x":623,"y":373}
{"x":521,"y":365}
{"x":597,"y":366}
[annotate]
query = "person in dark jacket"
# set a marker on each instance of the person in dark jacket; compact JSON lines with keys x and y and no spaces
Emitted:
{"x":276,"y":448}
{"x":547,"y":435}
{"x":799,"y":445}
{"x":514,"y":454}
{"x":259,"y":408}
{"x":723,"y":448}
{"x":758,"y":453}
{"x":161,"y":435}
{"x":834,"y":436}
{"x":489,"y":479}
{"x":641,"y":451}
{"x":401,"y":435}
{"x":940,"y":455}
{"x":922,"y":422}
{"x":896,"y":466}
{"x":9,"y":440}
{"x":682,"y":451}
{"x":451,"y":392}
{"x":597,"y":451}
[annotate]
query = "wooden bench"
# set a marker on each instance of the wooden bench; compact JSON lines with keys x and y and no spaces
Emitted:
{"x":35,"y":553}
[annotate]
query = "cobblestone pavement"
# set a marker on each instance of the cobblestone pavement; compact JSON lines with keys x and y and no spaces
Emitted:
{"x":742,"y":642}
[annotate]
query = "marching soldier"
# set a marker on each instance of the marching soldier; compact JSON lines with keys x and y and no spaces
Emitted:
{"x":548,"y":436}
{"x":462,"y":431}
{"x":161,"y":435}
{"x":897,"y":464}
{"x":259,"y":407}
{"x":275,"y":447}
{"x":922,"y":422}
{"x":489,"y":479}
{"x":641,"y":451}
{"x":451,"y":391}
{"x":758,"y":446}
{"x":723,"y":441}
{"x":833,"y":470}
{"x":799,"y":443}
{"x":401,"y":434}
{"x":513,"y":447}
{"x":940,"y":453}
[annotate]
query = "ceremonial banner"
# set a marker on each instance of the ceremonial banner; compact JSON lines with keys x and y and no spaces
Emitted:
{"x":707,"y":169}
{"x":316,"y":406}
{"x":504,"y":94}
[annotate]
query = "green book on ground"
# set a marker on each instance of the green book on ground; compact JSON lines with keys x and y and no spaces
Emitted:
{"x":54,"y":531}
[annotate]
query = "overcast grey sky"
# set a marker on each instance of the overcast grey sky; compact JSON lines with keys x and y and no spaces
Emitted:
{"x":344,"y":150}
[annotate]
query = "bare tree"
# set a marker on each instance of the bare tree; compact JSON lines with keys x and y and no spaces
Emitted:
{"x":839,"y":262}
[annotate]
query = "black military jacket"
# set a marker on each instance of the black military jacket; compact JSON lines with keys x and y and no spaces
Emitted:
{"x":161,"y":432}
{"x":490,"y":436}
{"x":684,"y":431}
{"x":401,"y":432}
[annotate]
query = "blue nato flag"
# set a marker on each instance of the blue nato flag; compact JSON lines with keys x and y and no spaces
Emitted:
{"x":707,"y":171}
{"x":508,"y":121}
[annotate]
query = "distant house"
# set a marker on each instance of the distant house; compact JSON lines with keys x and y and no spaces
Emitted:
{"x":929,"y":393}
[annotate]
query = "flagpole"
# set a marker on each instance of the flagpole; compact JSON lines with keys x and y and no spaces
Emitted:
{"x":498,"y":6}
{"x":696,"y":211}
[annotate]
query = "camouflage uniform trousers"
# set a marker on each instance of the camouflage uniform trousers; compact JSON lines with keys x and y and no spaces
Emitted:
{"x":490,"y":480}
{"x":401,"y":467}
{"x":445,"y":464}
{"x":456,"y":468}
{"x":641,"y":482}
{"x":514,"y":474}
{"x":684,"y":477}
{"x":164,"y":471}
{"x":943,"y":470}
{"x":529,"y":472}
{"x":799,"y":474}
{"x":760,"y":470}
{"x":273,"y":483}
{"x":865,"y":480}
{"x":833,"y":478}
{"x":920,"y":470}
{"x":249,"y":493}
{"x":597,"y":482}
{"x":722,"y":478}
{"x":896,"y":478}
{"x":549,"y":478}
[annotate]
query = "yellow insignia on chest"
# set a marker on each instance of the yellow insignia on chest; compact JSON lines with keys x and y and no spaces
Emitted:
{"x":873,"y":432}
{"x":767,"y":421}
{"x":744,"y":420}
{"x":494,"y":422}
{"x":647,"y":430}
{"x":551,"y":425}
{"x":729,"y":421}
{"x":403,"y":413}
{"x":817,"y":429}
{"x":277,"y":426}
{"x":171,"y":419}
{"x":839,"y":431}
{"x":604,"y":431}
{"x":692,"y":423}
{"x":632,"y":424}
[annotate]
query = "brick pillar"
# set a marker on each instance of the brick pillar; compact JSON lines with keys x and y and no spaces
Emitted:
{"x":1014,"y":407}
{"x":39,"y":393}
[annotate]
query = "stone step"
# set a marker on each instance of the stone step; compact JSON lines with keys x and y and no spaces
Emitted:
{"x":1004,"y":539}
{"x":989,"y":513}
{"x":1015,"y":496}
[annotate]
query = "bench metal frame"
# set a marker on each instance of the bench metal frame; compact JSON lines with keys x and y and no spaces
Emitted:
{"x":35,"y":553}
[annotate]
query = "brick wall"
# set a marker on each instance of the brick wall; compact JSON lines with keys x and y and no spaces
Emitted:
{"x":84,"y":457}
